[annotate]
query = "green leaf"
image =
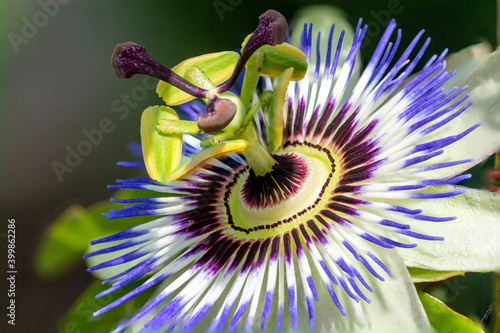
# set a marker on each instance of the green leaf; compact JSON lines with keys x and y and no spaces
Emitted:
{"x":66,"y":240}
{"x":444,"y":319}
{"x":428,"y":275}
{"x":80,"y":317}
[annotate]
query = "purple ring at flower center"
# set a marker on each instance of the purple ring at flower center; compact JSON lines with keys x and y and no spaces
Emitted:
{"x":283,"y":181}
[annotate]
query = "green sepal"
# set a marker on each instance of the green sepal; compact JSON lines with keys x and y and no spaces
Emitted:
{"x":218,"y":67}
{"x":428,"y":275}
{"x":445,"y":320}
{"x":161,"y":152}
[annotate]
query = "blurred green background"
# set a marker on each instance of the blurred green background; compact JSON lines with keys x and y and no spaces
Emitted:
{"x":57,"y":82}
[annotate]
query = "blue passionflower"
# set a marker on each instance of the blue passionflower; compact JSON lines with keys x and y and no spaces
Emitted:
{"x":301,"y":203}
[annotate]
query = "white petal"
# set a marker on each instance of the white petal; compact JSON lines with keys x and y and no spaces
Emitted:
{"x":484,"y":87}
{"x":465,"y":61}
{"x":394,"y":306}
{"x":472,"y":241}
{"x":108,"y":272}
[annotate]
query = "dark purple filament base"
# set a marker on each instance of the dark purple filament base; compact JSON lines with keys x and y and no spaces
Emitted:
{"x":283,"y":181}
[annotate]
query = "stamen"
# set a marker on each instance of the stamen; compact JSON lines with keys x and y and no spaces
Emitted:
{"x":130,"y":58}
{"x":218,"y":114}
{"x":272,"y":30}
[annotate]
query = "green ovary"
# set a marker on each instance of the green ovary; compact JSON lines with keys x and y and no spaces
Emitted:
{"x":253,"y":222}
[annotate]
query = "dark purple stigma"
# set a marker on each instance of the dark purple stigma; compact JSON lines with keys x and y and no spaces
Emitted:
{"x":272,"y":30}
{"x":130,"y":58}
{"x":218,"y":114}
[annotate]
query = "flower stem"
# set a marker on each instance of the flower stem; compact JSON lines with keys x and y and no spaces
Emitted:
{"x":497,"y":275}
{"x":256,"y":155}
{"x":497,"y":167}
{"x":496,"y":313}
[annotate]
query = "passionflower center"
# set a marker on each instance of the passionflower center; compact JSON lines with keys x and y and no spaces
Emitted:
{"x":296,"y":188}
